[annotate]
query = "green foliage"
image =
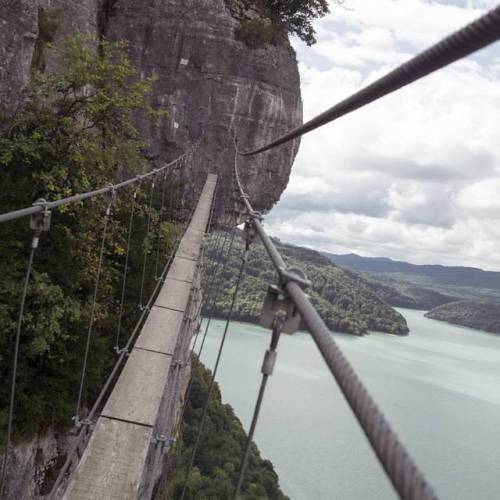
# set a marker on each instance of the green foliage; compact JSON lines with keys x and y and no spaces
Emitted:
{"x":296,"y":16}
{"x":479,"y":315}
{"x":217,"y":462}
{"x":344,"y":303}
{"x":72,"y":133}
{"x":257,"y":33}
{"x":266,"y":22}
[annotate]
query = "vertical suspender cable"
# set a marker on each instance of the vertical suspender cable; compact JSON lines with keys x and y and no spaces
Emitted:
{"x":216,"y":294}
{"x":145,"y":258}
{"x":267,"y":370}
{"x":188,"y":390}
{"x":160,"y":221}
{"x":34,"y":245}
{"x":93,"y":308}
{"x":214,"y":373}
{"x":125,"y":270}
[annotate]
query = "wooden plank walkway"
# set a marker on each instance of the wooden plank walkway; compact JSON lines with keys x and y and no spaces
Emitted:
{"x":112,"y":466}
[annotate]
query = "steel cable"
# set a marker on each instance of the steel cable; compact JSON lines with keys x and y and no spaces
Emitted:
{"x":217,"y":291}
{"x":160,"y":222}
{"x":267,"y":368}
{"x":475,"y":36}
{"x":145,"y":243}
{"x":93,"y":307}
{"x":193,"y":347}
{"x":17,"y":342}
{"x":125,"y":269}
{"x":37,"y":208}
{"x":214,"y":372}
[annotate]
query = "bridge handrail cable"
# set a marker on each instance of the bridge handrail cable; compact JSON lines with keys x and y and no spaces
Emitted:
{"x":42,"y":205}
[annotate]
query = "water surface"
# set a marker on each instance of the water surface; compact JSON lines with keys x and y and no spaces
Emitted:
{"x":438,"y":387}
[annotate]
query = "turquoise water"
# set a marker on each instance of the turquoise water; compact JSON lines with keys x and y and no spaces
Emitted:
{"x":438,"y":387}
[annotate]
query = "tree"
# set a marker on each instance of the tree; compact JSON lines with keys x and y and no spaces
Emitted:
{"x":296,"y":16}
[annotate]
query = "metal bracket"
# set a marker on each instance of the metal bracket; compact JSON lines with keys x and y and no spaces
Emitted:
{"x":294,"y":274}
{"x":178,"y":363}
{"x":41,"y":220}
{"x":82,"y":423}
{"x":250,"y":233}
{"x":269,"y":362}
{"x":277,"y":301}
{"x":164,"y":441}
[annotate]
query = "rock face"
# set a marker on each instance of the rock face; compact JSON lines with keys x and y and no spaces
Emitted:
{"x":208,"y":80}
{"x":33,"y":465}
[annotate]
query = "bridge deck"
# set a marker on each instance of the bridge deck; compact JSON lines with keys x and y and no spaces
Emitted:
{"x":113,"y":462}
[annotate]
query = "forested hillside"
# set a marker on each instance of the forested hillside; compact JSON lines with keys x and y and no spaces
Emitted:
{"x":343,"y":301}
{"x":481,"y":316}
{"x":217,"y":462}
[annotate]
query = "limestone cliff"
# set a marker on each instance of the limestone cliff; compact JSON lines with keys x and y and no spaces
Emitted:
{"x":208,"y":80}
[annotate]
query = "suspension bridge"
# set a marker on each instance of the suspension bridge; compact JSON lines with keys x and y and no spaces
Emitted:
{"x":123,"y":438}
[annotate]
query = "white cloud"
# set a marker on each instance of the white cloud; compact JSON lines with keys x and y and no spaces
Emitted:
{"x":414,"y":176}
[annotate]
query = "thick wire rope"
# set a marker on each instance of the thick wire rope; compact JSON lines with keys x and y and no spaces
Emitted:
{"x":145,"y":243}
{"x":475,"y":36}
{"x":17,"y":342}
{"x":93,"y":308}
{"x":214,"y":372}
{"x":125,"y":269}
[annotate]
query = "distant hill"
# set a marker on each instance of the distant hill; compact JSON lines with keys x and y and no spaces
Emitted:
{"x":343,"y":300}
{"x":421,"y":286}
{"x":443,"y":275}
{"x":478,"y":315}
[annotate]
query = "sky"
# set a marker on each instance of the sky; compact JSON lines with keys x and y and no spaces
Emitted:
{"x":414,"y":176}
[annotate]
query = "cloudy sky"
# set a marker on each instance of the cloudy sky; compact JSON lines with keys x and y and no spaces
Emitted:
{"x":415,"y":176}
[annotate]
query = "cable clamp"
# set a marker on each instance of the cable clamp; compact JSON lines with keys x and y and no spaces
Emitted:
{"x":40,"y":221}
{"x":179,"y":363}
{"x":121,"y":351}
{"x":85,"y":422}
{"x":164,"y":441}
{"x":294,"y":274}
{"x":145,"y":308}
{"x":279,"y":306}
{"x":250,"y":233}
{"x":269,"y":362}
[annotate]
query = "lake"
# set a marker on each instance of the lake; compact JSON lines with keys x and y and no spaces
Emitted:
{"x":439,"y":388}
